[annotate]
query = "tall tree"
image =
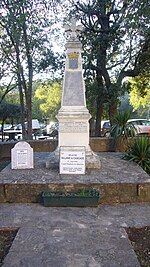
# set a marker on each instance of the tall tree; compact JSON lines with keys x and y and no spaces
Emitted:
{"x":26,"y":25}
{"x":116,"y":45}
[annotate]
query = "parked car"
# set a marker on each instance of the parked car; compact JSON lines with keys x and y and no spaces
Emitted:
{"x":142,"y":126}
{"x":35,"y":125}
{"x":7,"y":127}
{"x":105,"y":127}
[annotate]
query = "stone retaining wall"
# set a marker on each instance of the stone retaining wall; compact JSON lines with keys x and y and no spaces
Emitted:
{"x":97,"y":145}
{"x":37,"y":145}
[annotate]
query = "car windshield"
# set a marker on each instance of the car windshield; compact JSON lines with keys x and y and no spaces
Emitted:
{"x":106,"y":124}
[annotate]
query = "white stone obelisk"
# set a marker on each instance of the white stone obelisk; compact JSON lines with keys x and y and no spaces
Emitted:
{"x":73,"y":115}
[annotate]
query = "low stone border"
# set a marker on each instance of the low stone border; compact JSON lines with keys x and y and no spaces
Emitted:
{"x":109,"y":193}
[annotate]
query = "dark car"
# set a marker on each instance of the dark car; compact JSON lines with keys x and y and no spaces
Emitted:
{"x":105,"y":127}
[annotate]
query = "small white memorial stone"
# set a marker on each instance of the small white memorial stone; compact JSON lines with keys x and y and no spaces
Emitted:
{"x":22,"y":156}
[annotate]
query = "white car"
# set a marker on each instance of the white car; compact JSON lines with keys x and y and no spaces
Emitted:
{"x":142,"y":126}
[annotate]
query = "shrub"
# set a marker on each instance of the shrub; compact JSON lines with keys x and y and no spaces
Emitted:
{"x":139,"y":152}
{"x":121,"y":127}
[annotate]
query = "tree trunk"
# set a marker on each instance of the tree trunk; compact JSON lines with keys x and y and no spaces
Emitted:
{"x":29,"y":99}
{"x":19,"y":70}
{"x":30,"y":78}
{"x":2,"y":130}
{"x":99,"y":105}
{"x":29,"y":115}
{"x":112,"y":109}
{"x":98,"y":117}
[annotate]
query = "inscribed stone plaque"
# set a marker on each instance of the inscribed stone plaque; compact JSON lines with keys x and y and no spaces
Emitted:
{"x":73,"y":127}
{"x":73,"y":91}
{"x":73,"y":63}
{"x":22,"y":156}
{"x":72,"y":161}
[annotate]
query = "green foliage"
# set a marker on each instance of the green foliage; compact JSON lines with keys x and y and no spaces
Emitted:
{"x":124,"y":103}
{"x":121,"y":128}
{"x":91,"y":95}
{"x":140,"y":91}
{"x":139,"y":152}
{"x":48,"y":96}
{"x":13,"y":97}
{"x":25,"y":44}
{"x":9,"y":111}
{"x":115,"y":43}
{"x":89,"y":192}
{"x":27,"y":32}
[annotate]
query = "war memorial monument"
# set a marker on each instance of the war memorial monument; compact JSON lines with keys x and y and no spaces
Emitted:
{"x":73,"y":154}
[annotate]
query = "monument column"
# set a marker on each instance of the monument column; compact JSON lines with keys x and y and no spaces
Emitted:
{"x":73,"y":115}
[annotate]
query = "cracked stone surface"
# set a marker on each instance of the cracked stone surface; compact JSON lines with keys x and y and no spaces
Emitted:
{"x":72,"y":237}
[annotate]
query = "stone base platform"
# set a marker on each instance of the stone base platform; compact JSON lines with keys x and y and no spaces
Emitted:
{"x":92,"y":160}
{"x":118,"y":181}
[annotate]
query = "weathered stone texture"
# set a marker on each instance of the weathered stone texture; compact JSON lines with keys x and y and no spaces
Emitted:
{"x":73,"y":89}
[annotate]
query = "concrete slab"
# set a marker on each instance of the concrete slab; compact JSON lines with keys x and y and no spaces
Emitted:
{"x":72,"y":237}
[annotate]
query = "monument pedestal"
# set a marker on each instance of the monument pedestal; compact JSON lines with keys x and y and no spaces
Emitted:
{"x":73,"y":133}
{"x":92,"y":160}
{"x":73,"y":126}
{"x":73,"y":115}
